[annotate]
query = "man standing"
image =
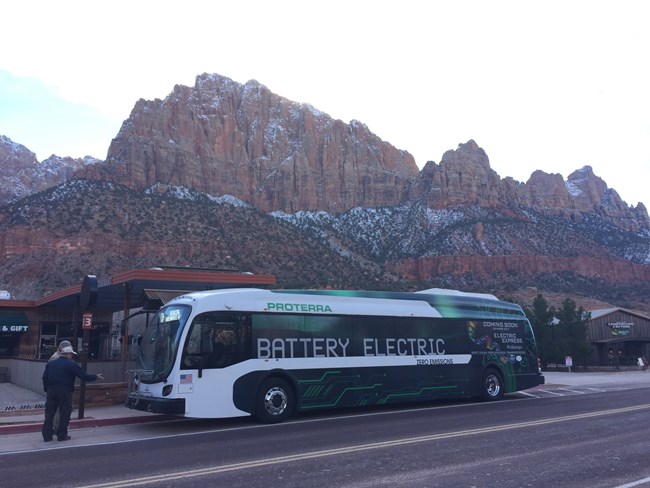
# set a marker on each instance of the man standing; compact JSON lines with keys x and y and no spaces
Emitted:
{"x":57,"y":355}
{"x":58,"y":382}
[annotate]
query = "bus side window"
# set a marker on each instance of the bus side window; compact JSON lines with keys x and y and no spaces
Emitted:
{"x":231,"y":341}
{"x":199,"y":345}
{"x":217,"y":340}
{"x":225,"y":346}
{"x":194,"y":341}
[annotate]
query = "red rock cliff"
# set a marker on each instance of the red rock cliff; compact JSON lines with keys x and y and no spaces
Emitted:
{"x":221,"y":137}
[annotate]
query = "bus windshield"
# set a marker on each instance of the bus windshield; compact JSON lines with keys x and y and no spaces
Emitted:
{"x":160,"y":342}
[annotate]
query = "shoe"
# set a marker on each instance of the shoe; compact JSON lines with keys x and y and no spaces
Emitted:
{"x":66,"y":438}
{"x":48,"y":440}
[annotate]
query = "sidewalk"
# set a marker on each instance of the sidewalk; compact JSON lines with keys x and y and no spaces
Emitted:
{"x":22,"y":411}
{"x":558,"y":378}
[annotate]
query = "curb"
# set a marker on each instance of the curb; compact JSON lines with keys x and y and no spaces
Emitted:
{"x":86,"y":423}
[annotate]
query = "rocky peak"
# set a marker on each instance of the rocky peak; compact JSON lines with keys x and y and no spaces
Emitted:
{"x":56,"y":169}
{"x":468,"y":154}
{"x":16,"y":166}
{"x":582,"y":193}
{"x":21,"y":174}
{"x":591,"y":193}
{"x":463,"y":177}
{"x":546,"y":192}
{"x":14,"y":157}
{"x":221,"y":137}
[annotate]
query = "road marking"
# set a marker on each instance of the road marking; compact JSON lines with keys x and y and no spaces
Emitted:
{"x":573,"y":391}
{"x":525,"y":393}
{"x":550,"y":392}
{"x":355,"y":448}
{"x":634,"y":483}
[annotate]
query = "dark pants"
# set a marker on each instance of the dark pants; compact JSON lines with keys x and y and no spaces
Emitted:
{"x":57,"y":398}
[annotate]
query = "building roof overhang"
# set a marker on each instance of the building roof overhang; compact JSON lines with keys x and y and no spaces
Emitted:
{"x":607,"y":311}
{"x":127,"y":290}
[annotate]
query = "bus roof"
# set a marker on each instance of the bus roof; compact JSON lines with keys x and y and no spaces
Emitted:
{"x":426,"y":303}
{"x":445,"y":291}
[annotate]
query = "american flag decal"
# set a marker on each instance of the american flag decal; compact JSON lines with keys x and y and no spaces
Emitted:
{"x":186,"y":378}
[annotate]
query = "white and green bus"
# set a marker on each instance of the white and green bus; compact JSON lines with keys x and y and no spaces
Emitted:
{"x":273,"y":353}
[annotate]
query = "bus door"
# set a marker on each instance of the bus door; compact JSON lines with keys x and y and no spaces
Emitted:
{"x":216,"y":342}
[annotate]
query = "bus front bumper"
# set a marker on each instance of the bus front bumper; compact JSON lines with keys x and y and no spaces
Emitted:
{"x":171,"y":406}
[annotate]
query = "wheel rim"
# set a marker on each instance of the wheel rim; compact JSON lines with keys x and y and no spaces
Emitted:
{"x":275,"y":401}
{"x":492,"y":385}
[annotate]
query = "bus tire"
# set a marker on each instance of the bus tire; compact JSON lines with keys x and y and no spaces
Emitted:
{"x":274,"y":402}
{"x":492,"y":387}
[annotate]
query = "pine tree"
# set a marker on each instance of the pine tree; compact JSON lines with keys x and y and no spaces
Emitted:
{"x":541,"y":318}
{"x":573,"y":332}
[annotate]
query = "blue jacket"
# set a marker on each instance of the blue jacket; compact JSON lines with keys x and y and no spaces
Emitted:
{"x":64,"y":372}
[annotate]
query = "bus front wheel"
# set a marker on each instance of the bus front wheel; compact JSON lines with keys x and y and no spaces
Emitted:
{"x":274,"y":402}
{"x":492,"y":385}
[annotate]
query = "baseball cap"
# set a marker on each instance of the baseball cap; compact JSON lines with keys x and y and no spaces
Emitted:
{"x":68,"y":350}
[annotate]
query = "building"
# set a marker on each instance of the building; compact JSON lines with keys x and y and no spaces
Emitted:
{"x":619,"y":337}
{"x":30,"y":330}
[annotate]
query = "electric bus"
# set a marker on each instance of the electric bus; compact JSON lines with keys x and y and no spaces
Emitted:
{"x":274,"y":353}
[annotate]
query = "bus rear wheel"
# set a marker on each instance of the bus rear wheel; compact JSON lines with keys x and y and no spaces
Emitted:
{"x":275,"y":401}
{"x":492,"y":385}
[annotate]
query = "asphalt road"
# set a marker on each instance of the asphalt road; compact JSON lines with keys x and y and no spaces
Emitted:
{"x":574,"y":436}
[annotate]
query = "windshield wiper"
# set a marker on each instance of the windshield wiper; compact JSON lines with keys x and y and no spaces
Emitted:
{"x":150,"y":374}
{"x":159,"y":375}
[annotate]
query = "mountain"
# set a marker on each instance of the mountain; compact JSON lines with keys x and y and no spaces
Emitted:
{"x":464,"y":177}
{"x":22,"y":175}
{"x":229,"y":175}
{"x":222,"y":137}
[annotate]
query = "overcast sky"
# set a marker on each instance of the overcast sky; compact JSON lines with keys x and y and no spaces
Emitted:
{"x":549,"y":85}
